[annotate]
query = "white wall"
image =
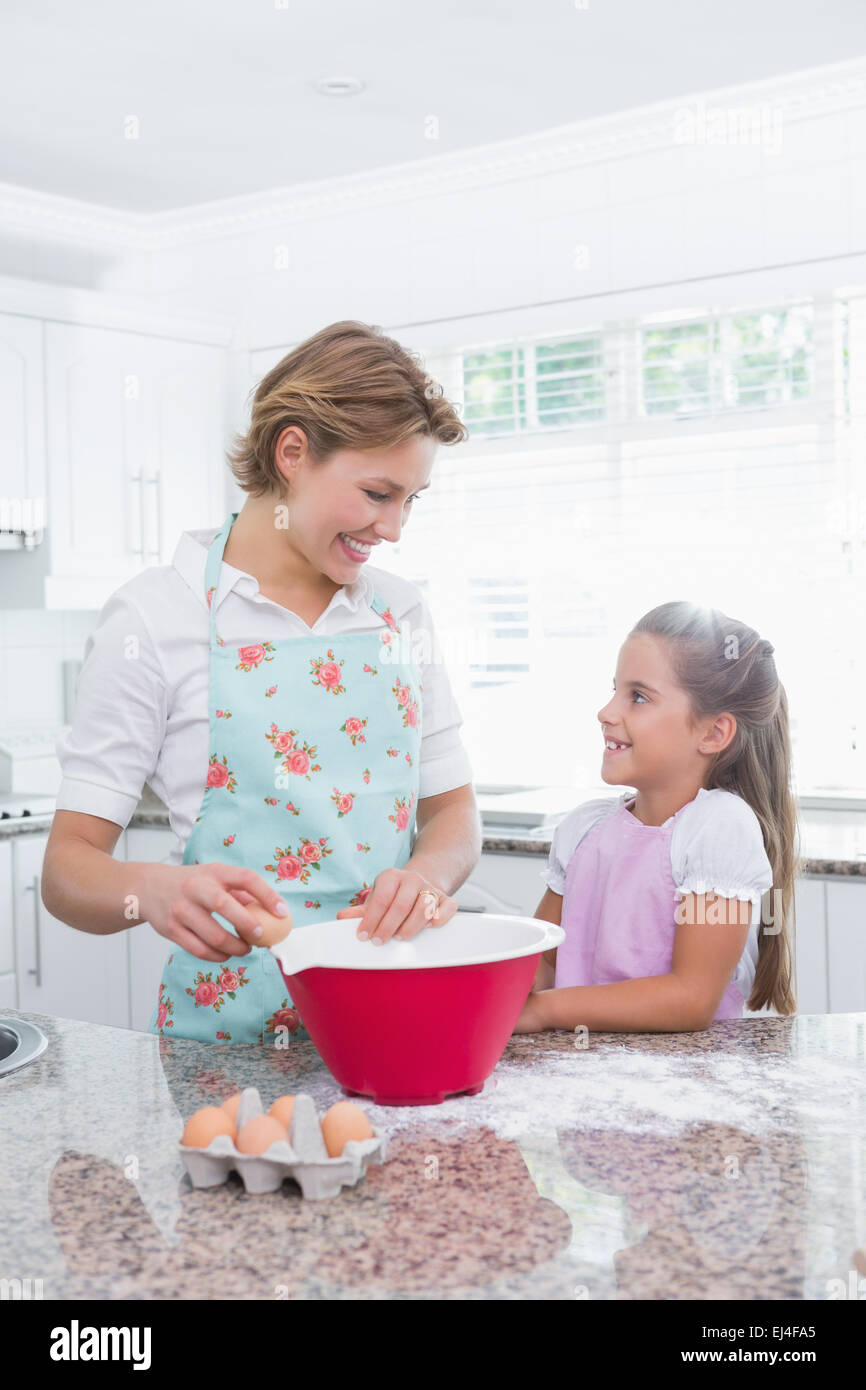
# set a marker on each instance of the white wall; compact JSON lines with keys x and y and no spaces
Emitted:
{"x":34,"y":644}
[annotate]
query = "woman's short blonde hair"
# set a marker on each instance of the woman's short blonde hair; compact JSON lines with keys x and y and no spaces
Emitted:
{"x":347,"y":387}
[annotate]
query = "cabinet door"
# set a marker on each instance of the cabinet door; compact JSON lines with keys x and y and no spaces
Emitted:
{"x":22,"y":444}
{"x":810,"y":946}
{"x":136,"y":431}
{"x":186,"y":475}
{"x":7,"y":939}
{"x":846,"y":945}
{"x":101,"y":440}
{"x":62,"y":971}
{"x":147,"y":949}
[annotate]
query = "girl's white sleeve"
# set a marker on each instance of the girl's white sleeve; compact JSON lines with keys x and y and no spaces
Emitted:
{"x":717,"y":847}
{"x":568,"y":835}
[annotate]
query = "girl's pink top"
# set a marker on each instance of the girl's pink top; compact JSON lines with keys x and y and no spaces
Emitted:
{"x":624,"y":879}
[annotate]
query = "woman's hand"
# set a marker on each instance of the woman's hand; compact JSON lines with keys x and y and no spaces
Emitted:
{"x":178,"y":899}
{"x":393,"y":907}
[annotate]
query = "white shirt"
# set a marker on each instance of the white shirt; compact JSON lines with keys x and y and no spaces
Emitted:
{"x":717,"y":846}
{"x":141,"y":712}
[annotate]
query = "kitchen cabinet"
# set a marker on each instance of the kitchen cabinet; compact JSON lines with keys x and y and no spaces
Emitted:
{"x":7,"y":940}
{"x":116,"y":979}
{"x":61,"y":970}
{"x":846,"y":937}
{"x":22,"y":418}
{"x":147,"y":949}
{"x":504,"y":883}
{"x":8,"y":978}
{"x":135,"y":436}
{"x":810,"y":946}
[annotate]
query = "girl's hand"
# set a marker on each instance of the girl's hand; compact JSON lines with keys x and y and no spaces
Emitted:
{"x":531,"y":1018}
{"x":178,"y":899}
{"x":544,"y":975}
{"x":394,"y":908}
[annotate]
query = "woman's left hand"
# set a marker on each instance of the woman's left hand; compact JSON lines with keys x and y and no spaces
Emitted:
{"x":393,"y":907}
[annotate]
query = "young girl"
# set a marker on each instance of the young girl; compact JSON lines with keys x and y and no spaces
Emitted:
{"x":663,"y":893}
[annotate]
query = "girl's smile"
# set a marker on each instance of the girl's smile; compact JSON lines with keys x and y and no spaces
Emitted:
{"x":612,"y":747}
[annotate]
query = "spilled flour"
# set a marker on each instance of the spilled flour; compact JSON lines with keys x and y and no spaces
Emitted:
{"x":645,"y":1093}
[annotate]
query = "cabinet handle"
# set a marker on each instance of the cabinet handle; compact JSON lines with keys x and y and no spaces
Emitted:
{"x":34,"y":889}
{"x":460,"y":908}
{"x":139,"y":478}
{"x":156,"y":480}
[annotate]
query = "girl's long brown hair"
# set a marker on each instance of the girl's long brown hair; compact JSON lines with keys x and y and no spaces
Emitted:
{"x":726,"y":667}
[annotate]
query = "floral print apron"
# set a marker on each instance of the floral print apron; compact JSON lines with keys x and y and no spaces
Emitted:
{"x":313,"y":782}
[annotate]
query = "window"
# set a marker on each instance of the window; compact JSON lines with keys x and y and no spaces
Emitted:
{"x":737,"y":362}
{"x":545,"y":385}
{"x":718,"y":458}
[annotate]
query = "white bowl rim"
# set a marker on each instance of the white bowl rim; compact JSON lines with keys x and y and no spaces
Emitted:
{"x":387,"y":956}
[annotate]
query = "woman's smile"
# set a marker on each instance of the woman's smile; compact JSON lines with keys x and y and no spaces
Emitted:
{"x":355,"y":550}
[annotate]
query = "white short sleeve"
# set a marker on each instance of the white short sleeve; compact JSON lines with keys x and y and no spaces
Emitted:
{"x":569,"y":833}
{"x":717,"y":847}
{"x":113,"y":744}
{"x":443,"y":762}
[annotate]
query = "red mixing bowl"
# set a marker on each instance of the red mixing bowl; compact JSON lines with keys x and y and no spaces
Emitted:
{"x":411,"y":1022}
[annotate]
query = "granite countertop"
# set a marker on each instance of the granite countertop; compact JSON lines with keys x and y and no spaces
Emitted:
{"x":722,"y":1164}
{"x":833,"y":843}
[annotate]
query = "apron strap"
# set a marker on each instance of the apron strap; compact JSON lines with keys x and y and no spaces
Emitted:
{"x":380,"y":607}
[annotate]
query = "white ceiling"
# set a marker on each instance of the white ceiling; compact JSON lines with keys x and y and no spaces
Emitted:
{"x":223,"y":92}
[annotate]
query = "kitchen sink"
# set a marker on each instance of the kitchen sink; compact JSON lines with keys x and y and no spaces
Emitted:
{"x":20,"y":1042}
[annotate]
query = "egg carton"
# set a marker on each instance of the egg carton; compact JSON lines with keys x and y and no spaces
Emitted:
{"x":303,"y":1156}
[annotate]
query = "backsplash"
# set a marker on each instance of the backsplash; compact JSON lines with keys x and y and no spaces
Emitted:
{"x":34,"y":643}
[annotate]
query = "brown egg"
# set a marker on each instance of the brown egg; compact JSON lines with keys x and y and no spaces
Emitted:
{"x":205,"y":1125}
{"x":259,"y":1133}
{"x":230,"y":1106}
{"x":344,"y":1121}
{"x":282,"y":1110}
{"x":274,"y":928}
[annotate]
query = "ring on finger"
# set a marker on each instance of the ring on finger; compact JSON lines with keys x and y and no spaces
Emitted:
{"x":430,"y":897}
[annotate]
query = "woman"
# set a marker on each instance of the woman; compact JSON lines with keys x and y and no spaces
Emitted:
{"x":264,"y":688}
